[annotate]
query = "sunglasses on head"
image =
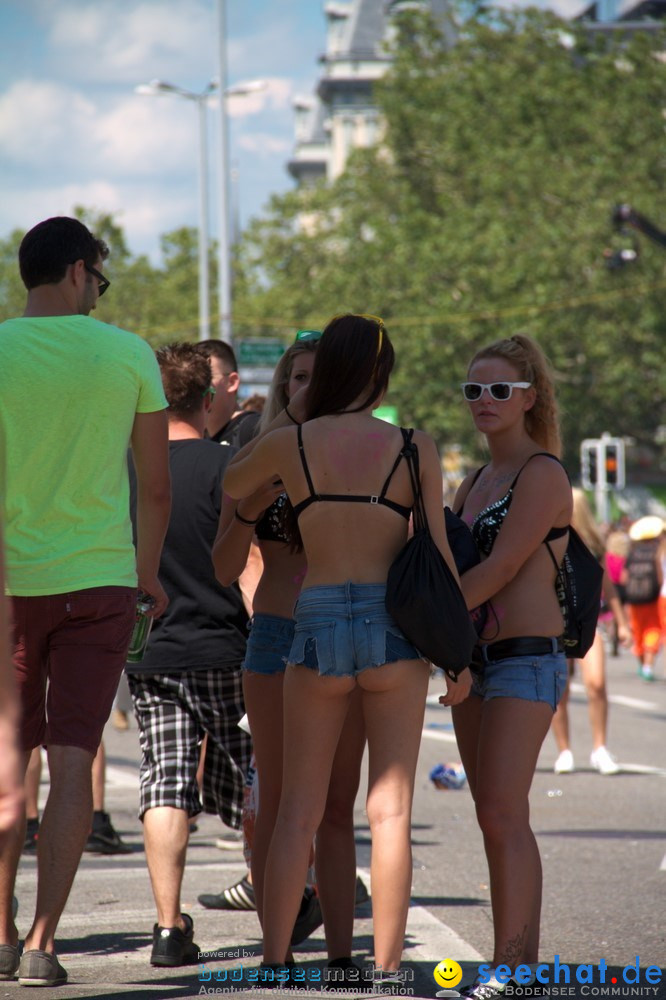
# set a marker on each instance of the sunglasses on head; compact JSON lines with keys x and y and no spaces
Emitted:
{"x":501,"y":391}
{"x":307,"y":335}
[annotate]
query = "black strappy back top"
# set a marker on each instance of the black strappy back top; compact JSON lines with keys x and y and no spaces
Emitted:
{"x":487,"y":523}
{"x":379,"y":498}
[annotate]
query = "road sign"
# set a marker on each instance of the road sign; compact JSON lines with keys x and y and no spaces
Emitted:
{"x":259,"y":353}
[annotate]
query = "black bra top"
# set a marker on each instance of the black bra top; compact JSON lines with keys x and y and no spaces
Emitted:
{"x":270,"y":526}
{"x":315,"y":497}
{"x":487,"y":523}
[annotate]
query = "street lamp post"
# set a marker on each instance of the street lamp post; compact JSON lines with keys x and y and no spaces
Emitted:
{"x":224,"y":264}
{"x":154,"y":89}
{"x":158,"y":88}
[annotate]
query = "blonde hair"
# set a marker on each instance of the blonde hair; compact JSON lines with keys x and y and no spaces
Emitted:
{"x":277,"y":397}
{"x":532,"y":365}
{"x":583,"y":521}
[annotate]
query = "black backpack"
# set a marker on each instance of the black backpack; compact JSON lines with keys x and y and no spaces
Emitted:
{"x":578,"y":585}
{"x":641,"y":579}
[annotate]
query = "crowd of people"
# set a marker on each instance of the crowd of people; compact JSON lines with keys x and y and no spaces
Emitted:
{"x":280,"y":520}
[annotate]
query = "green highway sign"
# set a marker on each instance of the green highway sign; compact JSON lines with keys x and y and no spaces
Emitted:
{"x":259,"y":353}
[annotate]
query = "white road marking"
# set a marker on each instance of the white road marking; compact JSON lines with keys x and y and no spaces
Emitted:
{"x":435,"y":939}
{"x":621,"y":699}
{"x":437,"y":734}
{"x":122,"y":777}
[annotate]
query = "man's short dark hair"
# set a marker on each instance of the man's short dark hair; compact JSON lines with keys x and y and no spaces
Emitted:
{"x":49,"y":248}
{"x":186,"y":376}
{"x":219,"y":349}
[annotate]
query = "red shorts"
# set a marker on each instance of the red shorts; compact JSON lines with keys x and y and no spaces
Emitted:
{"x":644,"y":620}
{"x":78,"y":643}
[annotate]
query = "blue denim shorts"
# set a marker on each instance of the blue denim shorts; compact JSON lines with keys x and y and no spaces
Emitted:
{"x":269,"y":644}
{"x":532,"y":678}
{"x":344,"y":629}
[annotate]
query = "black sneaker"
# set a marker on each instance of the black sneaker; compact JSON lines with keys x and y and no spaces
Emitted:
{"x":103,"y":839}
{"x":172,"y":947}
{"x":309,"y":917}
{"x":239,"y":896}
{"x":31,"y":835}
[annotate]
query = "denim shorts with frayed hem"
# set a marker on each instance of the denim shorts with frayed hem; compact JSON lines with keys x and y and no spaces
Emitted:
{"x":268,"y":647}
{"x":345,"y":628}
{"x":531,"y":678}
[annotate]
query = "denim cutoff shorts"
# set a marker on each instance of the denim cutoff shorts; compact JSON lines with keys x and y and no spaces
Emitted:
{"x":268,"y":646}
{"x":345,"y":628}
{"x":531,"y":678}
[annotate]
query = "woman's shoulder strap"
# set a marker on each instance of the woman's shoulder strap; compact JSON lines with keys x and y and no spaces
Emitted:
{"x":469,"y":490}
{"x":544,"y":454}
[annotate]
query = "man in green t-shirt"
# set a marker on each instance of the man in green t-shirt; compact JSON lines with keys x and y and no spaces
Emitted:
{"x":72,"y":571}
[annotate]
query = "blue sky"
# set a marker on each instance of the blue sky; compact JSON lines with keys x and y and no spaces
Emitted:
{"x":73,"y":131}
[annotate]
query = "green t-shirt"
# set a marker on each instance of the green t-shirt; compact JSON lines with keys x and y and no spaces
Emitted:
{"x":70,"y":387}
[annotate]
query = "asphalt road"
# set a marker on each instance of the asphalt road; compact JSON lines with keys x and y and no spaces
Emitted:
{"x":601,"y":838}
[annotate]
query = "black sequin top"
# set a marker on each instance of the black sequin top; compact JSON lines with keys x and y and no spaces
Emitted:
{"x":487,"y":523}
{"x":270,"y":527}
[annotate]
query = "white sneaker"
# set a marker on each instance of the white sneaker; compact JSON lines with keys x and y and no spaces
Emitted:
{"x":564,"y":763}
{"x":603,"y":761}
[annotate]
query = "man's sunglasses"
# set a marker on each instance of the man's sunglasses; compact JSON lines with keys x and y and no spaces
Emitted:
{"x":103,"y":282}
{"x":501,"y":391}
{"x":303,"y":336}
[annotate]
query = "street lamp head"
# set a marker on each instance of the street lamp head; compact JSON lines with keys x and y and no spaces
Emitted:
{"x":158,"y":87}
{"x":245,"y":87}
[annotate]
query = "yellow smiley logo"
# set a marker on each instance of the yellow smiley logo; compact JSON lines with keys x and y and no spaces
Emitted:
{"x":448,"y":973}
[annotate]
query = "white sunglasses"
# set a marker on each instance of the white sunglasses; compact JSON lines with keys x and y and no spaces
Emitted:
{"x":501,"y":391}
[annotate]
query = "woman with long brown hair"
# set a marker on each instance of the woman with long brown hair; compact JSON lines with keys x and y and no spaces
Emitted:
{"x":264,"y":517}
{"x":345,"y":473}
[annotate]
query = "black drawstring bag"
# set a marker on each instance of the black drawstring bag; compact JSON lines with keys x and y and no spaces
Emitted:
{"x":422,"y":595}
{"x":466,"y":556}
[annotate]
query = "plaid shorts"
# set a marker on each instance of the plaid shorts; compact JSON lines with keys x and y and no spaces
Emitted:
{"x":174,"y":712}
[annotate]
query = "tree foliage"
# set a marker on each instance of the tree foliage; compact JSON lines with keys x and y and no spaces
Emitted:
{"x":486,"y":212}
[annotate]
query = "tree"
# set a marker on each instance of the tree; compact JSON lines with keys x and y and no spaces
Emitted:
{"x":485,"y":213}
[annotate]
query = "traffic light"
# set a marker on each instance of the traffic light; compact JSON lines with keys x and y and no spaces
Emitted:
{"x":611,"y":464}
{"x":612,"y":452}
{"x":602,"y":463}
{"x":589,"y":462}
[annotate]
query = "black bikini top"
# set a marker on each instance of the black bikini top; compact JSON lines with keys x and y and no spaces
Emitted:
{"x":270,"y":526}
{"x":487,"y":523}
{"x":380,"y":498}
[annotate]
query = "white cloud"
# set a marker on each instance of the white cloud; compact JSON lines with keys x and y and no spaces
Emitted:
{"x":264,"y":143}
{"x":124,"y":41}
{"x":40,"y":119}
{"x":46,"y":122}
{"x":143,"y":218}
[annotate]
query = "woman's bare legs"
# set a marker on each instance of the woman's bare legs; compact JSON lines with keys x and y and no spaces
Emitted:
{"x":263,"y":701}
{"x":509,"y":734}
{"x":593,"y":670}
{"x":393,"y":707}
{"x":560,"y":723}
{"x":512,"y":731}
{"x":314,"y":713}
{"x":335,"y":852}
